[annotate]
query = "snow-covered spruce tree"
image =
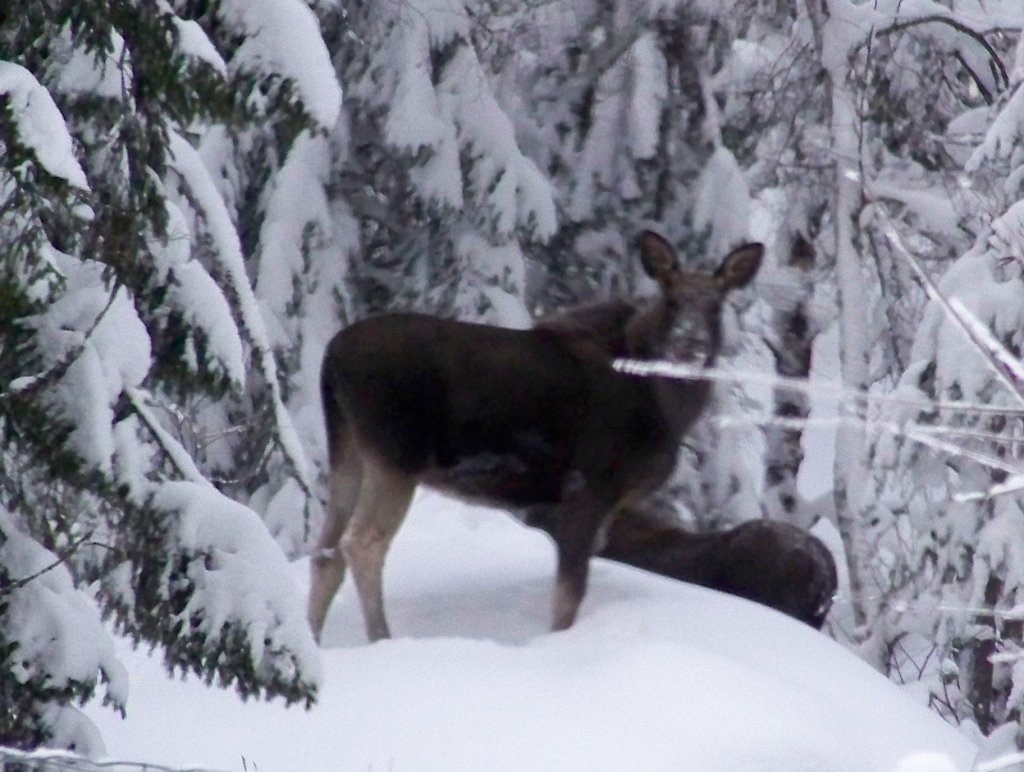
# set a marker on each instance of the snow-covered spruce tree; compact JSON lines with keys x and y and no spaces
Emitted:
{"x":607,"y":99}
{"x":116,"y":244}
{"x":430,"y":168}
{"x":254,"y":191}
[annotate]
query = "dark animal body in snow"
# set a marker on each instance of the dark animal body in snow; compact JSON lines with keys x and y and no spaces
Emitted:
{"x":536,"y":421}
{"x":769,"y":562}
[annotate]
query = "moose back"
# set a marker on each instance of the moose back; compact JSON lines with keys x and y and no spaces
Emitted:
{"x":531,"y":420}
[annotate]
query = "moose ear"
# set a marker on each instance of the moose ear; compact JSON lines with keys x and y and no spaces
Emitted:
{"x":739,"y":267}
{"x":657,"y":256}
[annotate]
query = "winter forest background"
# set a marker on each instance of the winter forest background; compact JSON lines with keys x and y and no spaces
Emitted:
{"x":196,"y":194}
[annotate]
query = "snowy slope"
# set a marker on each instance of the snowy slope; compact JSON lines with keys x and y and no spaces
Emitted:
{"x":655,"y":675}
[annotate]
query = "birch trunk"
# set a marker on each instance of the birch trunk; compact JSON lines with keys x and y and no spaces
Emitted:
{"x":832,"y":24}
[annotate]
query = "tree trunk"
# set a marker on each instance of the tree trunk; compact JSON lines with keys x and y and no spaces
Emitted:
{"x":791,"y":340}
{"x":835,"y":48}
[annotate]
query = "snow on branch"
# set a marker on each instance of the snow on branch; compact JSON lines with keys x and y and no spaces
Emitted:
{"x":1003,"y":363}
{"x":60,"y":649}
{"x":96,"y":347}
{"x":241,"y":591}
{"x":228,"y":251}
{"x":1000,"y":78}
{"x":923,"y":434}
{"x":1002,"y":135}
{"x":510,"y":185}
{"x":934,"y":437}
{"x":173,"y":449}
{"x":284,"y":37}
{"x":441,"y":112}
{"x":39,"y":124}
{"x":818,"y":388}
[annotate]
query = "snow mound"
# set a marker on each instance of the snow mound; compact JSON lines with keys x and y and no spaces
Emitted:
{"x":655,"y":675}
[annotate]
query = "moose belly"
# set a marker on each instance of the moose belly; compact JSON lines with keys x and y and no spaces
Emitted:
{"x":504,"y":479}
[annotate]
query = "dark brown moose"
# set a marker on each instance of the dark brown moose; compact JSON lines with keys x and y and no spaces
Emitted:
{"x":769,"y":562}
{"x":536,"y":421}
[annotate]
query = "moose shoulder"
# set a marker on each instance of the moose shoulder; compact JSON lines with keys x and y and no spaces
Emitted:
{"x":535,"y":420}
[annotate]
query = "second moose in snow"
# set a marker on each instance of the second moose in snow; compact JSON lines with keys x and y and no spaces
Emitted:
{"x":535,"y":421}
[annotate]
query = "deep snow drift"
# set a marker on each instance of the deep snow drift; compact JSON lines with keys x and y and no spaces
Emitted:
{"x":655,"y":675}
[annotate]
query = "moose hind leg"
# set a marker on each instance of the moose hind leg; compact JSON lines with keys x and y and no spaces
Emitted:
{"x":327,"y":567}
{"x":383,"y":501}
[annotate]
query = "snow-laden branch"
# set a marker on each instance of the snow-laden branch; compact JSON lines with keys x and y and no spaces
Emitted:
{"x":66,"y":761}
{"x":934,"y":437}
{"x":283,"y":36}
{"x":820,"y":389}
{"x":999,"y":73}
{"x":923,"y":434}
{"x":40,"y":125}
{"x":228,"y":250}
{"x":1002,"y":361}
{"x":173,"y":449}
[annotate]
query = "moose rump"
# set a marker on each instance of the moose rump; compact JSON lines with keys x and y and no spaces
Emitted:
{"x":532,"y":420}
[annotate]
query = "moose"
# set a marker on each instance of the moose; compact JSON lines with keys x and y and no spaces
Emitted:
{"x":535,"y":421}
{"x":769,"y":562}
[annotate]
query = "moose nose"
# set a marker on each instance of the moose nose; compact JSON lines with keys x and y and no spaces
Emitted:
{"x":688,"y":350}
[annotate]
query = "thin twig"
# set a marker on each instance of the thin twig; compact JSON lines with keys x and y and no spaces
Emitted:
{"x":62,"y":558}
{"x":1002,"y":361}
{"x":818,"y":388}
{"x":959,"y":26}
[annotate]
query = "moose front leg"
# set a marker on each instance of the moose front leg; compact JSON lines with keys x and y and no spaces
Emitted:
{"x":576,"y":529}
{"x":570,"y":586}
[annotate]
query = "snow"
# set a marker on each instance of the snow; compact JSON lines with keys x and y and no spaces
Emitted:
{"x":39,"y":124}
{"x":498,"y":273}
{"x":189,"y":165}
{"x":1002,"y":134}
{"x":414,"y":119}
{"x":99,"y":332}
{"x":244,"y":576}
{"x":58,"y":633}
{"x":108,"y":74}
{"x":296,"y":200}
{"x":283,"y":36}
{"x":818,"y":443}
{"x":515,"y":190}
{"x":655,"y":675}
{"x":203,"y":299}
{"x":723,"y":202}
{"x":195,"y":43}
{"x":650,"y":93}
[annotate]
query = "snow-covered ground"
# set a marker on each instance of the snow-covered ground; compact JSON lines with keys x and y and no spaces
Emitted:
{"x":656,"y":675}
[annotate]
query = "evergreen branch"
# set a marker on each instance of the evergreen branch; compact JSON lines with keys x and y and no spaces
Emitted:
{"x":173,"y":449}
{"x":209,"y":203}
{"x":62,"y":558}
{"x":28,"y":385}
